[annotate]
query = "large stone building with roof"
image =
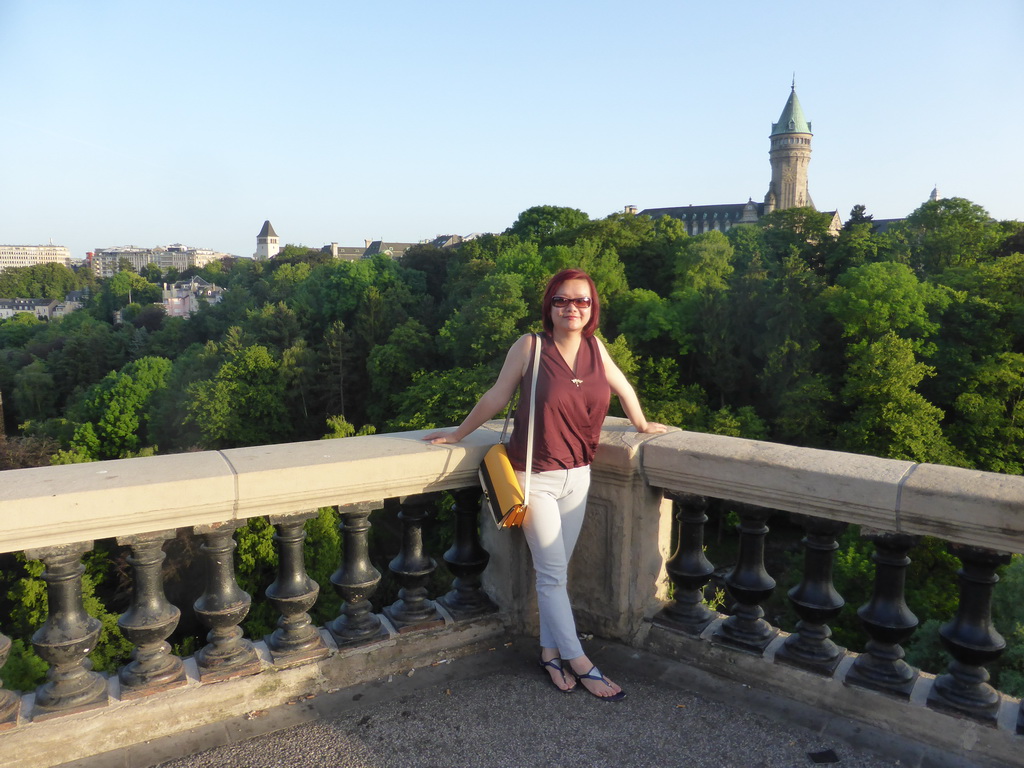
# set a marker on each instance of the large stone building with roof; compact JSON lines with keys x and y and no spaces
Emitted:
{"x":12,"y":256}
{"x":789,"y":155}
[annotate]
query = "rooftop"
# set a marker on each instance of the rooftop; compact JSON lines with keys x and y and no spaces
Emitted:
{"x":792,"y":119}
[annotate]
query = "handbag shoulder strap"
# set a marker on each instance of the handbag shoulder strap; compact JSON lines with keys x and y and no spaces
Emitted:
{"x":529,"y":431}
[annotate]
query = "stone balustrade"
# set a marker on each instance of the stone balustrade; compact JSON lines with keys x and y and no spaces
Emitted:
{"x":641,"y":545}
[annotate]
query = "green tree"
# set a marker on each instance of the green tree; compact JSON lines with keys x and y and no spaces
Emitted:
{"x":800,"y":232}
{"x":274,"y":325}
{"x":441,"y":398}
{"x":951,"y":232}
{"x":34,"y":395}
{"x":483,"y":330}
{"x":299,"y":370}
{"x":889,"y":416}
{"x":990,"y":415}
{"x":123,"y":289}
{"x":650,"y":262}
{"x":39,"y":281}
{"x":17,"y":331}
{"x":152,"y":273}
{"x":243,"y":404}
{"x":875,"y":299}
{"x":391,"y":366}
{"x":117,"y":408}
{"x":858,"y":216}
{"x":652,"y":323}
{"x":541,"y":222}
{"x":856,"y":246}
{"x":84,"y":350}
{"x":794,"y":385}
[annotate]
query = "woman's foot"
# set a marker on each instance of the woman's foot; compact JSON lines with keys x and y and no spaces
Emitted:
{"x":591,"y":678}
{"x":552,"y":664}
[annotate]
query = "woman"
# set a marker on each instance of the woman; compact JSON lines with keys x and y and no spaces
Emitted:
{"x":574,"y":385}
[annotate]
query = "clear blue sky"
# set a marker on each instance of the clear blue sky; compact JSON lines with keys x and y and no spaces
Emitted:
{"x":193,"y":121}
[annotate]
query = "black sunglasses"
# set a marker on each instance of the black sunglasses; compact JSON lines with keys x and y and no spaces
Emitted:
{"x":582,"y":302}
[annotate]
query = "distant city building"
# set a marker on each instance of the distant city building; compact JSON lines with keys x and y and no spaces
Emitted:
{"x":106,"y":262}
{"x":345,"y":252}
{"x":450,"y":241}
{"x":186,"y":296}
{"x":29,"y":255}
{"x":789,"y":155}
{"x":73,"y":301}
{"x":394,"y":250}
{"x":41,"y":308}
{"x":267,"y":243}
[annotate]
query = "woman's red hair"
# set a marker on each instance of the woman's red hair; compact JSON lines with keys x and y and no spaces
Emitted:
{"x":552,"y":290}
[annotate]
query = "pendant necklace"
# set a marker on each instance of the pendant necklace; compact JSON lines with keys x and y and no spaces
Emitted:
{"x":574,"y":380}
{"x":575,"y":362}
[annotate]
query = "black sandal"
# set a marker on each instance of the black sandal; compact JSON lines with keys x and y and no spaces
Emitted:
{"x":555,"y":664}
{"x":595,"y":674}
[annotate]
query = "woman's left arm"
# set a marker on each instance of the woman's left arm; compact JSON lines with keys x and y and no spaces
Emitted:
{"x":627,"y":396}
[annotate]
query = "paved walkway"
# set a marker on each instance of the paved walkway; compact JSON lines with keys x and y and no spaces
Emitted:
{"x":496,"y":709}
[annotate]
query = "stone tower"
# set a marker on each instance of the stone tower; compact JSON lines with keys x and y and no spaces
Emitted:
{"x":267,"y":245}
{"x":789,"y":155}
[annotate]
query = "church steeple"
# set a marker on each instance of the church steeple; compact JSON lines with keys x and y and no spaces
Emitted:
{"x":789,"y":156}
{"x":267,"y":243}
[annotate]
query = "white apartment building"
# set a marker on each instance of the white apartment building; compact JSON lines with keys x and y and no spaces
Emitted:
{"x":30,"y":255}
{"x":106,"y":262}
{"x":43,"y":309}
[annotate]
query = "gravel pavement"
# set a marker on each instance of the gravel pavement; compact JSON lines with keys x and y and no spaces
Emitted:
{"x":497,"y":709}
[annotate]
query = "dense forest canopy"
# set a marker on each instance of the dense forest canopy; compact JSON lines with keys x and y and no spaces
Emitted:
{"x":905,"y":344}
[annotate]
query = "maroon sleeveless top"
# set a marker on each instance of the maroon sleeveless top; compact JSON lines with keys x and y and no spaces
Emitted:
{"x":569,"y":415}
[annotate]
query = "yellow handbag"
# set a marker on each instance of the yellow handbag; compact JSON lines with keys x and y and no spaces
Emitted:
{"x":505,"y":500}
{"x":501,"y":488}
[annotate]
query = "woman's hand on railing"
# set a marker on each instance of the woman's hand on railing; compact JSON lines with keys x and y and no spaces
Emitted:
{"x":652,"y":428}
{"x":440,"y":437}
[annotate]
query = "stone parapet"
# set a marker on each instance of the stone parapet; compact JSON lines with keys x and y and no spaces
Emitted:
{"x":618,"y":578}
{"x":981,"y":509}
{"x":52,"y":506}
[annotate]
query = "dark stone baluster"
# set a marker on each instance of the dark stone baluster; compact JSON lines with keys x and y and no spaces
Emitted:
{"x":67,"y":637}
{"x":292,"y":594}
{"x":10,"y":702}
{"x":816,"y":601}
{"x":467,"y":560}
{"x":887,"y":620}
{"x":356,"y":579}
{"x":688,"y":568}
{"x":149,"y":621}
{"x":749,"y":585}
{"x":412,"y":568}
{"x":221,"y":608}
{"x":971,"y":639}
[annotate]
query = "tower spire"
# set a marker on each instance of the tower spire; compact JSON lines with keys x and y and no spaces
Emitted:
{"x":789,"y":156}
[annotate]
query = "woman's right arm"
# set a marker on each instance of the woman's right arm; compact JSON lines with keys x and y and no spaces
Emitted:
{"x":495,"y":398}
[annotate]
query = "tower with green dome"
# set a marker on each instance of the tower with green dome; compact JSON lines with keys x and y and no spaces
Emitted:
{"x":790,"y":154}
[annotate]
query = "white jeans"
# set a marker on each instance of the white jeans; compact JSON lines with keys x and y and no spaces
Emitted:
{"x":557,"y":503}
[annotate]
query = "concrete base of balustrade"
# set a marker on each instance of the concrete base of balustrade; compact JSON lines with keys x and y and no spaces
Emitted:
{"x":838,"y":704}
{"x":123,"y":723}
{"x":617,"y":572}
